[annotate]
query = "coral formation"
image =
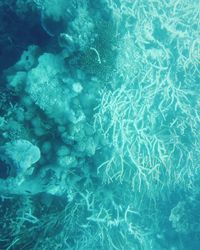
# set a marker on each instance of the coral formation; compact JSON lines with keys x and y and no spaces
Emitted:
{"x":99,"y":125}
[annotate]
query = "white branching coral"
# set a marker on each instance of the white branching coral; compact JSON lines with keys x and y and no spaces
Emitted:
{"x":149,"y":119}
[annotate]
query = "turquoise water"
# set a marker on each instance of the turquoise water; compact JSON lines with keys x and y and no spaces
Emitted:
{"x":99,"y":122}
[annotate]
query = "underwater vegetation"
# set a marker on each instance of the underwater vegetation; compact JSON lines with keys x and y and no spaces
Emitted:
{"x":99,"y":125}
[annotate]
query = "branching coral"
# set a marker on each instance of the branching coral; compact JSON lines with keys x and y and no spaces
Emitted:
{"x":147,"y":118}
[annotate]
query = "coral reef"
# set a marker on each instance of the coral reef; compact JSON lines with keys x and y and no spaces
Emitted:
{"x":99,"y":125}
